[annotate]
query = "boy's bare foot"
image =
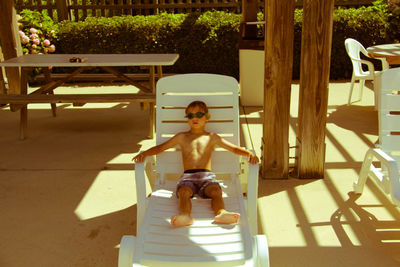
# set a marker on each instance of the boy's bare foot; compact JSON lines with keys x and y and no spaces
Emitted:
{"x":181,"y":220}
{"x":227,"y":217}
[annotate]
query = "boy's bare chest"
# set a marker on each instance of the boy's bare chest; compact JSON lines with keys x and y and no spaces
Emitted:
{"x":197,"y":144}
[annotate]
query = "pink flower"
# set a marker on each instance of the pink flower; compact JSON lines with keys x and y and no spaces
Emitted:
{"x":32,"y":30}
{"x":36,"y":41}
{"x":45,"y":50}
{"x":33,"y":36}
{"x":25,"y":39}
{"x":52,"y":48}
{"x":46,"y":42}
{"x":21,"y":33}
{"x":34,"y":46}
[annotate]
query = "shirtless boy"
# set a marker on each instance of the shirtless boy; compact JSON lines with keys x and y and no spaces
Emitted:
{"x":197,"y":146}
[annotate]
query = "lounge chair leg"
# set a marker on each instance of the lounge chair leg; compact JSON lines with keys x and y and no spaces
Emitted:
{"x":359,"y":184}
{"x":351,"y":89}
{"x":362,"y":83}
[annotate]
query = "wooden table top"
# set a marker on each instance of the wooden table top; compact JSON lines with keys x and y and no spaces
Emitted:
{"x":91,"y":60}
{"x":389,"y":51}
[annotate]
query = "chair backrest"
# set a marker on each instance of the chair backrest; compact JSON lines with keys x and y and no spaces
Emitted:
{"x":353,"y":49}
{"x":175,"y":93}
{"x":389,"y":113}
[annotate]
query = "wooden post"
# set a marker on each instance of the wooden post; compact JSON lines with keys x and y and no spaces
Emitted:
{"x":63,"y":12}
{"x":10,"y":42}
{"x":277,"y":85}
{"x":314,"y":81}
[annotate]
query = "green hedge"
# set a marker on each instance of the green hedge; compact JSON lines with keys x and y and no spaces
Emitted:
{"x":205,"y":42}
{"x":368,"y":25}
{"x":208,"y":42}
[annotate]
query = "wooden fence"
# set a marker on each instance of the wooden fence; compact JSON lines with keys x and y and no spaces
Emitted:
{"x":80,"y":9}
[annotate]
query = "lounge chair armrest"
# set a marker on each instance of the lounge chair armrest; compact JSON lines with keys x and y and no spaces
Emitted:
{"x":261,"y":247}
{"x":387,"y":160}
{"x":252,"y":195}
{"x":369,"y":64}
{"x":126,"y":251}
{"x":391,"y":165}
{"x":380,"y":155}
{"x":140,"y":178}
{"x":141,"y":192}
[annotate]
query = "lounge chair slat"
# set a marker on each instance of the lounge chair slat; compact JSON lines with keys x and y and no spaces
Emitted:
{"x":236,"y":259}
{"x":195,"y":231}
{"x":168,"y":239}
{"x":175,"y":127}
{"x":394,"y":140}
{"x":193,"y":250}
{"x":212,"y":99}
{"x":390,"y":101}
{"x":179,"y":114}
{"x":390,"y":122}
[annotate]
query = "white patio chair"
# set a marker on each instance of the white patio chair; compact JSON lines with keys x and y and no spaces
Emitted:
{"x":204,"y":243}
{"x":388,"y":151}
{"x":353,"y":49}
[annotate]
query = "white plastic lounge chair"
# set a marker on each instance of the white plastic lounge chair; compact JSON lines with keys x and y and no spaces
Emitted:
{"x":202,"y":244}
{"x":354,"y":49}
{"x":388,"y":152}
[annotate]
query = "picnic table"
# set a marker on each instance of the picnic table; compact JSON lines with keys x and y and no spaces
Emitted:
{"x":45,"y":94}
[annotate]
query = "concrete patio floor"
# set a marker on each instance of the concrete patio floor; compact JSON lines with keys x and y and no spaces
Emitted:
{"x":67,"y":192}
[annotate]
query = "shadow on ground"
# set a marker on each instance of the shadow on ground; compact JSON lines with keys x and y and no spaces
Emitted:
{"x":67,"y":192}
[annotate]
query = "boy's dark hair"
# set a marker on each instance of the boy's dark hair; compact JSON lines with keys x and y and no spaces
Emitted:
{"x":199,"y":104}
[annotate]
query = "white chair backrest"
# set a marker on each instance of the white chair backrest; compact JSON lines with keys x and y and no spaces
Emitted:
{"x":175,"y":93}
{"x":353,"y":49}
{"x":389,"y":113}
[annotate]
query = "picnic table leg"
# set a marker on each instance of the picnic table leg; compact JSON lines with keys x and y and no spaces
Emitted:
{"x":47,"y":76}
{"x":152,"y":81}
{"x":24,"y":110}
{"x":159,"y":72}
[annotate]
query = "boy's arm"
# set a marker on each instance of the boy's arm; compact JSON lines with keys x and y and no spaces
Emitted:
{"x":253,"y":159}
{"x":158,"y":149}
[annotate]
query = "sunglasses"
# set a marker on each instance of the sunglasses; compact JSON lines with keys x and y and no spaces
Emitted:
{"x":197,"y":114}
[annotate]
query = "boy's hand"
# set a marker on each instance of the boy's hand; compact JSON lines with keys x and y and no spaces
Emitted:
{"x":139,"y":158}
{"x":253,"y":159}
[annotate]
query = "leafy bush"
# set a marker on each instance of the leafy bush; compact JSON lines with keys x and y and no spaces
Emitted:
{"x":369,"y":25}
{"x":205,"y":42}
{"x":36,"y":19}
{"x":208,"y":42}
{"x":37,"y":30}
